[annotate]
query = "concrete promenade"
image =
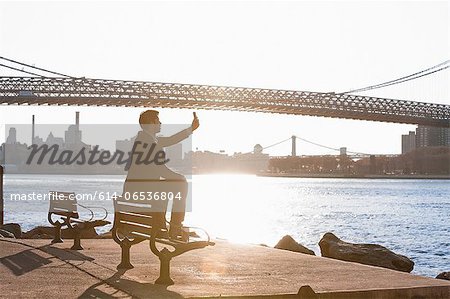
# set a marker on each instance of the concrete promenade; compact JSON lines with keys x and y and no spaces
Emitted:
{"x":33,"y":268}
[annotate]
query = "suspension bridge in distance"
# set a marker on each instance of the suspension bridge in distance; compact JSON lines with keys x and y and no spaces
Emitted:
{"x":31,"y":90}
{"x":293,"y":140}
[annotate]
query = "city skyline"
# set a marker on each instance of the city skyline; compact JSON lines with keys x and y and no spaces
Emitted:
{"x":71,"y":154}
{"x":423,"y":136}
{"x":72,"y":135}
{"x":408,"y":142}
{"x":27,"y":133}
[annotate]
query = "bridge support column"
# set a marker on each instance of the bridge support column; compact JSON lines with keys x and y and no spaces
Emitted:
{"x":294,"y":146}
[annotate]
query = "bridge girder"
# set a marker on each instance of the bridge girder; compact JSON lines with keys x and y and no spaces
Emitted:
{"x":99,"y":92}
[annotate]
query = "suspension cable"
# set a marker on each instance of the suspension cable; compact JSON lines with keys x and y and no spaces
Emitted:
{"x":434,"y":69}
{"x":317,"y":144}
{"x":35,"y":67}
{"x":276,"y":143}
{"x":246,"y":153}
{"x":19,"y":70}
{"x":313,"y":143}
{"x":328,"y":147}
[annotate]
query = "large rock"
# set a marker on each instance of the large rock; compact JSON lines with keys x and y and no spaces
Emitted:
{"x":444,"y":275}
{"x":46,"y":232}
{"x":288,"y":243}
{"x":13,"y":228}
{"x":369,"y":254}
{"x":6,"y":234}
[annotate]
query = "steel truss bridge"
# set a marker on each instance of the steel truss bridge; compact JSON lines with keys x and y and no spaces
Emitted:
{"x":116,"y":93}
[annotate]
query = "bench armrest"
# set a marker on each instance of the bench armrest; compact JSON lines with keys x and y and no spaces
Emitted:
{"x":86,"y":208}
{"x":89,"y":208}
{"x":197,"y":228}
{"x":101,"y":208}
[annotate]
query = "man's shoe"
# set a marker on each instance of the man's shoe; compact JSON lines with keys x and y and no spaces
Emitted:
{"x":162,"y":234}
{"x":179,"y":233}
{"x":161,"y":230}
{"x":174,"y":231}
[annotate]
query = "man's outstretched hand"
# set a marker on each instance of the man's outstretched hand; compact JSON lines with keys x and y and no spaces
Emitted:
{"x":195,"y":123}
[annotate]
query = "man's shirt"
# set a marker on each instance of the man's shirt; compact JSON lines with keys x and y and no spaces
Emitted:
{"x":150,"y":148}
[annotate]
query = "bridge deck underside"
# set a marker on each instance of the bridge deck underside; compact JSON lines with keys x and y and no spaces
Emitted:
{"x":90,"y":92}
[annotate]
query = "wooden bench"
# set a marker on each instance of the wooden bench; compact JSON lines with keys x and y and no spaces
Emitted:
{"x":134,"y":223}
{"x":64,"y":207}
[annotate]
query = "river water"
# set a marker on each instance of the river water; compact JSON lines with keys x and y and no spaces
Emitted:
{"x":410,"y":217}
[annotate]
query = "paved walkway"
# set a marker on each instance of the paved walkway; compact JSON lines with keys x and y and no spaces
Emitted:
{"x":33,"y":268}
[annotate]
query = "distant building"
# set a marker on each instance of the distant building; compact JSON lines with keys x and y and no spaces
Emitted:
{"x":408,"y":142}
{"x":425,"y":137}
{"x":207,"y":162}
{"x":257,"y":149}
{"x":125,"y":145}
{"x":14,"y":154}
{"x":175,"y":154}
{"x":432,"y":136}
{"x":252,"y":162}
{"x":52,"y":140}
{"x":38,"y":141}
{"x":12,"y":136}
{"x":343,"y":151}
{"x":73,"y":135}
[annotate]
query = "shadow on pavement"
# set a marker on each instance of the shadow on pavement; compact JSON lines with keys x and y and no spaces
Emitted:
{"x":117,"y":287}
{"x":65,"y":254}
{"x":27,"y":260}
{"x":24,"y":262}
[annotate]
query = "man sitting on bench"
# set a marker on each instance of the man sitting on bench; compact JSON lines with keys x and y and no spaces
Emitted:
{"x":144,"y":178}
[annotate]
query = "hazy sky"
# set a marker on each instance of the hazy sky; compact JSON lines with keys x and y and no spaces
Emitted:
{"x":313,"y":46}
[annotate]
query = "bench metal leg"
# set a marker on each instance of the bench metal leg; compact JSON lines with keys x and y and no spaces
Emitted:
{"x":57,"y":238}
{"x":164,"y":270}
{"x":77,"y":240}
{"x":125,"y":259}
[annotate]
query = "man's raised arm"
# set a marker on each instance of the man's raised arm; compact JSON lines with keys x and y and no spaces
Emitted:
{"x":180,"y":136}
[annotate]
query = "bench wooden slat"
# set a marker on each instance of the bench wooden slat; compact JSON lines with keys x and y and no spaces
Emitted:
{"x":60,"y":209}
{"x":77,"y":220}
{"x":66,"y":214}
{"x":136,"y":218}
{"x":145,"y":236}
{"x":135,"y":209}
{"x":61,"y":202}
{"x":171,"y":242}
{"x":135,"y":227}
{"x":64,"y":207}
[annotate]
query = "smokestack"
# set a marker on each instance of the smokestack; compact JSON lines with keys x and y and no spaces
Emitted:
{"x":77,"y":119}
{"x":32,"y":130}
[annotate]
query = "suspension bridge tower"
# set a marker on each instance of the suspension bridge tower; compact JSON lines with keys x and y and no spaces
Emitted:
{"x":294,"y":146}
